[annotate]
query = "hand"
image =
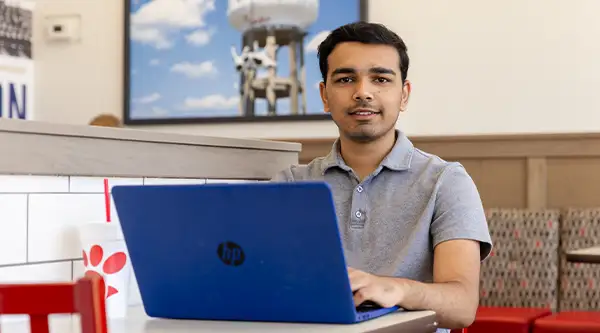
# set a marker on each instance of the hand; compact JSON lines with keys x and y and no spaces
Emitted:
{"x":385,"y":291}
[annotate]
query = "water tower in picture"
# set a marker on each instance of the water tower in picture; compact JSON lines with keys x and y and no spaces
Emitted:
{"x":266,"y":26}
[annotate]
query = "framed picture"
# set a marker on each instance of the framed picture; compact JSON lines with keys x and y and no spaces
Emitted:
{"x":207,"y":61}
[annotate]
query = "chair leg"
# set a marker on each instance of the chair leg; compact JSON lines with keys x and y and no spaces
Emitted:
{"x":39,"y":324}
{"x":90,"y":302}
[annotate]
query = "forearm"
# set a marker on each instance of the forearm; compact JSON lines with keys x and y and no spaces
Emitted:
{"x":454,"y":305}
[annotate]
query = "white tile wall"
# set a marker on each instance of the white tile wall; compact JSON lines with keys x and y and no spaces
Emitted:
{"x":96,"y":184}
{"x":13,"y":228}
{"x":33,"y":184}
{"x":39,"y":216}
{"x":53,"y":222}
{"x":48,"y":272}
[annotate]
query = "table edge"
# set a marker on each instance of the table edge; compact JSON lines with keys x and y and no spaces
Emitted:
{"x":424,"y":324}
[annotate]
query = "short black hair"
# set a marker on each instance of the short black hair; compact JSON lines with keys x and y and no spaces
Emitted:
{"x":366,"y":33}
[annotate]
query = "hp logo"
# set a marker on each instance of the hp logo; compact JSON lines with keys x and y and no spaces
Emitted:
{"x":231,"y":254}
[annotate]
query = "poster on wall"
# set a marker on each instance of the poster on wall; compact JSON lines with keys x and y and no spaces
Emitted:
{"x":227,"y":61}
{"x":16,"y":61}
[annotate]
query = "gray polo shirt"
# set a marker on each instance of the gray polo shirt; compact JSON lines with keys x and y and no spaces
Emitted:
{"x":392,"y":220}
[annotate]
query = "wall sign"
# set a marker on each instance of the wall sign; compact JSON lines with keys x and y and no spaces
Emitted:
{"x":16,"y":61}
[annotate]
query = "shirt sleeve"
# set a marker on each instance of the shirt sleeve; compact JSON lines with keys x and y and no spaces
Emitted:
{"x":459,"y":212}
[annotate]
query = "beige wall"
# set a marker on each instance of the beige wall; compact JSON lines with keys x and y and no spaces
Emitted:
{"x":77,"y":81}
{"x":499,"y":66}
{"x":476,"y":66}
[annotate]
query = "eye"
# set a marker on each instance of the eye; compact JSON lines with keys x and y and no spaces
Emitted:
{"x":382,"y":80}
{"x":344,"y":80}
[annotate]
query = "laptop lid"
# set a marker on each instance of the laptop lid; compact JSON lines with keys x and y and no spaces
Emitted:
{"x":249,"y":251}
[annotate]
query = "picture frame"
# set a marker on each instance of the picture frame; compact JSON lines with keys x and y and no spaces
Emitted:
{"x":213,"y":63}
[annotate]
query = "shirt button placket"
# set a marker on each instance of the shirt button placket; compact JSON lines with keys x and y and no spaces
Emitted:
{"x":358,"y":208}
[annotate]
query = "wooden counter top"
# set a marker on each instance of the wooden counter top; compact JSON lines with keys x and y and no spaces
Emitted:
{"x":32,"y":147}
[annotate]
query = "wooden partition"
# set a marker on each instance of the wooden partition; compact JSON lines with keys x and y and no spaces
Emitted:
{"x":514,"y":171}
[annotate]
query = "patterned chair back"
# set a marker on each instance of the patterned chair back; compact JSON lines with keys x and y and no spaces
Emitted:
{"x":523,"y":268}
{"x":579,"y":282}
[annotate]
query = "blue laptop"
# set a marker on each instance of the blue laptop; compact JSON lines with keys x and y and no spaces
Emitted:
{"x":245,"y":251}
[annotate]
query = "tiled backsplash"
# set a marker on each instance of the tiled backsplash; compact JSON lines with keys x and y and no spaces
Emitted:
{"x":38,"y":216}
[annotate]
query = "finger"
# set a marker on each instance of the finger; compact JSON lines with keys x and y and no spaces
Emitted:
{"x":356,"y":273}
{"x":352,"y":271}
{"x":364,"y":294}
{"x":358,"y":280}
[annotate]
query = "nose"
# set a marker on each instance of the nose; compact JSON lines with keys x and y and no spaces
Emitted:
{"x":363,"y":91}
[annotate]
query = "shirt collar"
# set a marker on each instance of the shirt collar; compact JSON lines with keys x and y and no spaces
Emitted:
{"x":398,"y":159}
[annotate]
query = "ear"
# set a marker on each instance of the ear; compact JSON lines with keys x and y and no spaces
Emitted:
{"x":324,"y":96}
{"x":406,"y":89}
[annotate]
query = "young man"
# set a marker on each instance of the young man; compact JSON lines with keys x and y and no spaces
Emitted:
{"x":413,"y":227}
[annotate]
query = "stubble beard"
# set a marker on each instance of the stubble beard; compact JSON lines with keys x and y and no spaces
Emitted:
{"x":363,"y":135}
{"x":367,"y":131}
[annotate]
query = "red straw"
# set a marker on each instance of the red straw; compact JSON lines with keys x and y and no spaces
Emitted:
{"x":107,"y":200}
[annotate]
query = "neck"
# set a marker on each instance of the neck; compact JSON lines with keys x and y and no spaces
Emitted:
{"x":365,"y":157}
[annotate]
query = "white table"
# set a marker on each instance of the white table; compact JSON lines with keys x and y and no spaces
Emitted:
{"x":138,"y":322}
{"x":589,"y":255}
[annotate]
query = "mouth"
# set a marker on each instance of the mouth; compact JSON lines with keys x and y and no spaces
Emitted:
{"x":363,"y":113}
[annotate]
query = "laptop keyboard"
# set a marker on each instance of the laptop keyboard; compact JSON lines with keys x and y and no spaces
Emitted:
{"x":368,"y":306}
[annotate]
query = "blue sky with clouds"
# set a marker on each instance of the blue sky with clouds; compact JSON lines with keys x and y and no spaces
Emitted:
{"x":181,"y":64}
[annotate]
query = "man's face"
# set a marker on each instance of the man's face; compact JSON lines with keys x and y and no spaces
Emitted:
{"x":364,"y":91}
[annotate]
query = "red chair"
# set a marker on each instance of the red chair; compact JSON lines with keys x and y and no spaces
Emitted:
{"x":86,"y":297}
{"x":569,"y":322}
{"x":499,"y":319}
